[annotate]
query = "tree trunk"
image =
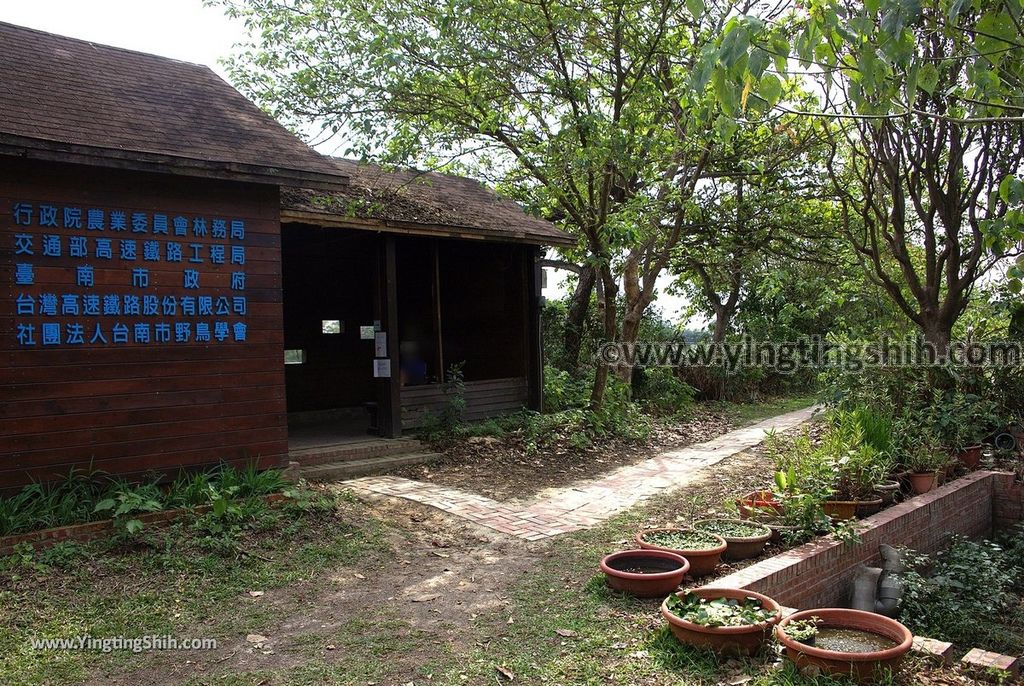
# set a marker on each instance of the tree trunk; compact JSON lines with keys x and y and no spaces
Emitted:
{"x":723,"y":316}
{"x":576,"y":317}
{"x":937,"y":334}
{"x":610,"y":290}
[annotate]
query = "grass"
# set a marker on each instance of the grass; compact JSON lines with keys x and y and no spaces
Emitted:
{"x":168,"y":583}
{"x":751,"y":413}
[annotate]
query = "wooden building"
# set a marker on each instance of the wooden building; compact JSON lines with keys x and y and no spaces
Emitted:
{"x":163,"y":243}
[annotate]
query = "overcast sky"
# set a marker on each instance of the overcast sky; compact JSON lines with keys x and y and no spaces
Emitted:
{"x":182,"y":29}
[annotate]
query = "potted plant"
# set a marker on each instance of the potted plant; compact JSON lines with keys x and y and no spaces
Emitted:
{"x":756,"y":501}
{"x":849,"y":643}
{"x":729,"y":621}
{"x":924,"y":462}
{"x":644,"y":573}
{"x":888,"y":489}
{"x":775,"y":521}
{"x":701,"y":549}
{"x":804,"y":630}
{"x":857,"y":467}
{"x":744,"y":538}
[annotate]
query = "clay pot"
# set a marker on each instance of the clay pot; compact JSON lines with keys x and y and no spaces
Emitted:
{"x":866,"y":508}
{"x":778,"y":529}
{"x":650,"y":585}
{"x":970,"y":457}
{"x":740,"y":547}
{"x":725,"y":640}
{"x":758,"y":501}
{"x":888,"y":490}
{"x":866,"y":667}
{"x":840,"y":509}
{"x":922,"y":482}
{"x":702,"y":562}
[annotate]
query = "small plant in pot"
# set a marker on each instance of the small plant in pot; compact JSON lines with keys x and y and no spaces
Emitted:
{"x":727,"y":620}
{"x":744,"y":538}
{"x":804,"y":630}
{"x":924,"y":462}
{"x":701,"y":549}
{"x":857,"y":468}
{"x":888,"y":489}
{"x":776,"y":522}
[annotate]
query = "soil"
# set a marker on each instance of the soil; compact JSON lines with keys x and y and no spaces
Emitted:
{"x":473,"y":464}
{"x":448,"y":582}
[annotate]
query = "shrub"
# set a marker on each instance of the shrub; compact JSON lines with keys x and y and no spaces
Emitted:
{"x":662,"y":392}
{"x":85,"y":497}
{"x":970,"y":595}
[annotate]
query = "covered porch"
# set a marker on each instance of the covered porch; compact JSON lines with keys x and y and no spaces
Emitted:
{"x":380,"y":310}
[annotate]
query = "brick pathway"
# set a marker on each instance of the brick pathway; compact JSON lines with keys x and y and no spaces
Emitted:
{"x":585,"y":504}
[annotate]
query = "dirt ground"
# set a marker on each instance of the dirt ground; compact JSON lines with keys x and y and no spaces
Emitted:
{"x":475,"y":463}
{"x":444,"y":589}
{"x":445,"y":580}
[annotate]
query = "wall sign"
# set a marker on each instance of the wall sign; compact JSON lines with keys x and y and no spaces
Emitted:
{"x":91,"y":276}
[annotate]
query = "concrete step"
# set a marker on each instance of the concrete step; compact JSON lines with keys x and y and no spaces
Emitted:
{"x":348,"y":469}
{"x":350,"y":452}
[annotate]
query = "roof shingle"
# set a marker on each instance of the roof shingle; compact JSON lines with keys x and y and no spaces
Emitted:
{"x":426,"y":202}
{"x":62,"y":98}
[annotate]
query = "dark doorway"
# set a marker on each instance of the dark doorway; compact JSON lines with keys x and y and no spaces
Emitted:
{"x":331,"y":285}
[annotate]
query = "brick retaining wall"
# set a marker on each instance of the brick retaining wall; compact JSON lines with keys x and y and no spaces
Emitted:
{"x":820,"y":573}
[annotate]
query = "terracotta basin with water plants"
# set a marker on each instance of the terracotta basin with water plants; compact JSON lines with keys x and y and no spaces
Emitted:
{"x":745,"y":538}
{"x":644,"y":573}
{"x":702,"y":550}
{"x":729,"y":621}
{"x":850,"y":643}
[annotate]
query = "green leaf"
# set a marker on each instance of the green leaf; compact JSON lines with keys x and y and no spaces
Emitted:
{"x":995,"y":33}
{"x":133,"y":526}
{"x":1011,"y":190}
{"x":928,"y":78}
{"x":757,"y":63}
{"x":725,"y":128}
{"x":695,"y":7}
{"x":107,"y":504}
{"x":770,"y":88}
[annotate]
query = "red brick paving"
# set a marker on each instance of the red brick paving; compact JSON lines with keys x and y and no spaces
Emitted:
{"x":586,"y":504}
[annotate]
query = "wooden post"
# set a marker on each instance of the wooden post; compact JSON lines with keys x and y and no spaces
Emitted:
{"x":438,"y":338}
{"x":391,"y":389}
{"x":535,"y":348}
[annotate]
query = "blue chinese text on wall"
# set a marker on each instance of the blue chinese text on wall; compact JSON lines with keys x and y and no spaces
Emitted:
{"x":167,"y":278}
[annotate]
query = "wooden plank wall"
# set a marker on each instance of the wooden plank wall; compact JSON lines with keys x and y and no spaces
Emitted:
{"x":129,"y":408}
{"x":483,"y":399}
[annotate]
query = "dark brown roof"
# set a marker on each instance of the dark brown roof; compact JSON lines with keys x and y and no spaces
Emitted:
{"x":418,"y":202}
{"x":71,"y":100}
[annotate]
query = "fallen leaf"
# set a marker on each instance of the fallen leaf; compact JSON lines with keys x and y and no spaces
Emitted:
{"x":565,"y":633}
{"x":255,"y":594}
{"x":358,"y":575}
{"x":438,"y":554}
{"x":330,"y":647}
{"x":505,"y":673}
{"x":426,"y":598}
{"x":256,"y":638}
